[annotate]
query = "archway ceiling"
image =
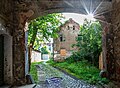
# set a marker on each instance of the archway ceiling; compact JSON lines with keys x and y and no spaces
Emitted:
{"x":42,"y":7}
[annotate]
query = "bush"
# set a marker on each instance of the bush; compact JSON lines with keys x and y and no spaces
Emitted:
{"x":74,"y":57}
{"x":89,"y":42}
{"x":44,"y":50}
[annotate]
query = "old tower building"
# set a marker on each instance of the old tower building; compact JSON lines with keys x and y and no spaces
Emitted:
{"x":67,"y":37}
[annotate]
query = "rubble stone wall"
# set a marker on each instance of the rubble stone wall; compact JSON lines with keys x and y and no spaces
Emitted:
{"x":116,"y":36}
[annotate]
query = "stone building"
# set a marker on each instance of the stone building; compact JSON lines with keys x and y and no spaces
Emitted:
{"x":67,"y":37}
{"x":14,"y":14}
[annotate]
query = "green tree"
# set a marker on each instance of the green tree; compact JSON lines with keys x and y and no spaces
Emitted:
{"x":89,"y":41}
{"x":42,"y":28}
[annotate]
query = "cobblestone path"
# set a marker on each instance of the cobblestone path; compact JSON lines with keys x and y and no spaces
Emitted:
{"x":47,"y":72}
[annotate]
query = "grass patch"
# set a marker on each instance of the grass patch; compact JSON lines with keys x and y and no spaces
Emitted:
{"x":33,"y":71}
{"x":82,"y":70}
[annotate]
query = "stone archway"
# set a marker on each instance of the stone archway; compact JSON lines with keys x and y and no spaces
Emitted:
{"x":29,"y":10}
{"x":17,"y":13}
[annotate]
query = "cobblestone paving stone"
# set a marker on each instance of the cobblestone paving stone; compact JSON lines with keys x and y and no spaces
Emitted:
{"x":66,"y":82}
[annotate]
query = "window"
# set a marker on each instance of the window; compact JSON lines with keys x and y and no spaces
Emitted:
{"x":73,"y":27}
{"x":62,"y":38}
{"x":68,"y":27}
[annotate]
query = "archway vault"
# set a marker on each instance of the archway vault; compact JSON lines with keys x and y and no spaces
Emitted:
{"x":44,"y":7}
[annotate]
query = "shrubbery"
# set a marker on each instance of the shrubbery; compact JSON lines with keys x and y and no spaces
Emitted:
{"x":82,"y":70}
{"x":88,"y":42}
{"x":44,"y":50}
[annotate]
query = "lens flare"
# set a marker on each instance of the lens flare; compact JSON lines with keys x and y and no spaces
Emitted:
{"x":90,"y":16}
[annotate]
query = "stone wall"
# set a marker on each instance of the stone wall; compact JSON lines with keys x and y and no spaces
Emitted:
{"x":116,"y":34}
{"x":69,"y":31}
{"x":15,"y":15}
{"x":111,"y":43}
{"x":21,"y":15}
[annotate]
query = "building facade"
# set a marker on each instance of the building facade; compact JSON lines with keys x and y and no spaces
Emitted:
{"x":67,"y":37}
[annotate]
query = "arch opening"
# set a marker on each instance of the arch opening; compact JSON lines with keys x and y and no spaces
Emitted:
{"x":70,"y":29}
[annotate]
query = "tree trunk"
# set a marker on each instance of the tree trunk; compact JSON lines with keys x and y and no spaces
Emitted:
{"x":31,"y":45}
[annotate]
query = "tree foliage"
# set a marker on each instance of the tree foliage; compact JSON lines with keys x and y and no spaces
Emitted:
{"x":44,"y":50}
{"x":42,"y":28}
{"x":89,"y":42}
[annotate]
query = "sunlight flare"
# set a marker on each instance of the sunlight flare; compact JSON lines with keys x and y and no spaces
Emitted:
{"x":90,"y":16}
{"x":92,"y":11}
{"x":97,"y":7}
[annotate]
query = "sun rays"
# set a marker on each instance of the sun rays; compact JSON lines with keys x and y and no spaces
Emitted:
{"x":93,"y":9}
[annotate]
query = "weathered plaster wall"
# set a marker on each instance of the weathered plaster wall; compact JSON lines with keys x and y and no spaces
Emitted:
{"x":8,"y":73}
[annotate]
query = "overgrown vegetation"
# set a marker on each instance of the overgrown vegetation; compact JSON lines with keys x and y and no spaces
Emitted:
{"x":82,"y":70}
{"x":89,"y":43}
{"x":33,"y":71}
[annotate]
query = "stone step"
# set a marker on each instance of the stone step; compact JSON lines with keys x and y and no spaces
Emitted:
{"x":27,"y":86}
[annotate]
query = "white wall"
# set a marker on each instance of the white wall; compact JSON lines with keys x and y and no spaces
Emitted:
{"x":36,"y":56}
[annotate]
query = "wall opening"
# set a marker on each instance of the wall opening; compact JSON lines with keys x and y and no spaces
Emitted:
{"x":71,"y":29}
{"x":5,"y":59}
{"x":8,"y":59}
{"x":1,"y":59}
{"x":91,"y":10}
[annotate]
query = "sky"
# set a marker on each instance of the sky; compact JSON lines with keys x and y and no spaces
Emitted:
{"x":79,"y":18}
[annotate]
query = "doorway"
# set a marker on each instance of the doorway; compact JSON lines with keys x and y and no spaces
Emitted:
{"x":1,"y":59}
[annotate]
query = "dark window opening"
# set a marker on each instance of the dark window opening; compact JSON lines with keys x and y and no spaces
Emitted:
{"x":61,"y":38}
{"x":68,"y":27}
{"x":1,"y":60}
{"x":73,"y":27}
